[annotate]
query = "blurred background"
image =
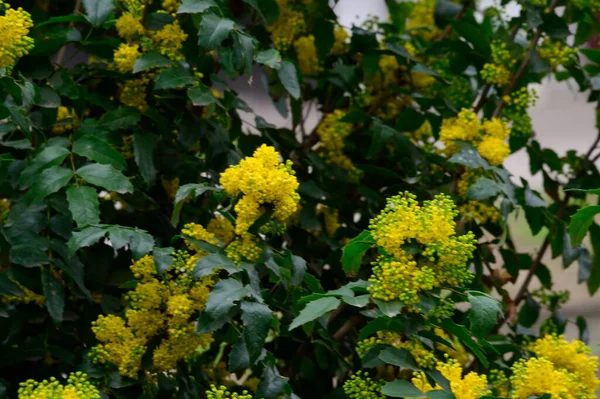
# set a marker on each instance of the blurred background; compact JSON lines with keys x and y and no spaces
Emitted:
{"x":562,"y":121}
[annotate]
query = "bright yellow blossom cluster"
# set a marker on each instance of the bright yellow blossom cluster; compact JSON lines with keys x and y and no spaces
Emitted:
{"x":340,"y":45}
{"x":308,"y":61}
{"x":222,"y":228}
{"x":424,"y":358}
{"x":288,"y":26}
{"x":480,"y":212}
{"x":401,"y":226}
{"x":489,"y":137}
{"x":126,"y":56}
{"x":361,"y":386}
{"x":162,"y":305}
{"x":498,"y":71}
{"x":332,"y":131}
{"x":261,"y":181}
{"x":471,"y":386}
{"x":133,"y":93}
{"x":556,"y":53}
{"x":168,"y":41}
{"x":421,"y":20}
{"x":14,"y":42}
{"x":78,"y":387}
{"x":223,"y":393}
{"x":458,"y":350}
{"x":65,"y":120}
{"x":128,"y":25}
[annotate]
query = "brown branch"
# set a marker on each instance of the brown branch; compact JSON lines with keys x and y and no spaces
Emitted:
{"x":347,"y":326}
{"x":482,"y":98}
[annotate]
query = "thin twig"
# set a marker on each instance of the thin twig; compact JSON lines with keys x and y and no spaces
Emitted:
{"x":482,"y":98}
{"x":347,"y":326}
{"x":448,"y":28}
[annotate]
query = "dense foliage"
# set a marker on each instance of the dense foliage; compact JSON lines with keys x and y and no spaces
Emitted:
{"x":157,"y":242}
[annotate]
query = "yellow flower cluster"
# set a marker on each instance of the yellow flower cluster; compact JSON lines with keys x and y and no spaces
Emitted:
{"x":424,"y":358}
{"x":432,"y":229}
{"x":457,"y":352}
{"x":289,"y":24}
{"x":171,"y":5}
{"x":126,"y":56}
{"x":556,"y":53}
{"x":78,"y":387}
{"x":245,"y":247}
{"x":261,"y":180}
{"x":361,"y":386}
{"x":223,"y":393}
{"x":340,"y":45}
{"x":308,"y":61}
{"x":332,"y":132}
{"x":489,"y":137}
{"x":479,"y":212}
{"x":158,"y":305}
{"x":14,"y":42}
{"x":128,"y":25}
{"x":222,"y":228}
{"x":168,"y":41}
{"x":498,"y":71}
{"x":388,"y":64}
{"x":421,"y":134}
{"x":65,"y":120}
{"x":421,"y":20}
{"x":28,"y":295}
{"x":331,"y":218}
{"x":471,"y":386}
{"x":133,"y":93}
{"x":500,"y":382}
{"x":563,"y":369}
{"x":516,"y":111}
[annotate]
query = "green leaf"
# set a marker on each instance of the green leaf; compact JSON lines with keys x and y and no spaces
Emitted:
{"x":239,"y":357}
{"x":98,"y":10}
{"x":464,"y":336}
{"x":354,"y":251}
{"x":595,"y":191}
{"x":469,"y":157}
{"x":289,"y":78}
{"x":84,"y":205}
{"x":140,"y":243}
{"x":399,"y":357}
{"x":48,"y":98}
{"x":50,"y":156}
{"x":100,"y":151}
{"x":48,"y":182}
{"x":195,"y":6}
{"x":533,"y":200}
{"x":484,"y":312}
{"x":202,"y":96}
{"x":534,"y":17}
{"x":85,"y":238}
{"x":211,"y":263}
{"x":380,"y":324}
{"x":163,"y":259}
{"x":193,"y":188}
{"x":401,"y":389}
{"x":446,"y":10}
{"x":483,"y":189}
{"x":9,"y":287}
{"x":221,"y":300}
{"x":174,"y":78}
{"x":389,"y":308}
{"x":120,"y":118}
{"x":213,"y":30}
{"x":254,"y":4}
{"x":143,"y":150}
{"x":257,"y":321}
{"x":64,"y":84}
{"x":105,"y":176}
{"x":314,"y":310}
{"x":150,"y":60}
{"x":581,"y":222}
{"x":244,"y":47}
{"x":270,"y":58}
{"x":28,"y":256}
{"x":272,"y":384}
{"x":54,"y":291}
{"x":473,"y":35}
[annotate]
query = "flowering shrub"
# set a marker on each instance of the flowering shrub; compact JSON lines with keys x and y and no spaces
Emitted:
{"x":161,"y":238}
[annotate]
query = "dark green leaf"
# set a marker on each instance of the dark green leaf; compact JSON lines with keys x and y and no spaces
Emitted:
{"x":272,"y":384}
{"x":85,"y":238}
{"x":202,"y":96}
{"x":483,"y":189}
{"x":150,"y":60}
{"x":464,"y":336}
{"x":50,"y":156}
{"x":195,"y":189}
{"x":98,"y":150}
{"x":399,"y":357}
{"x":533,"y":200}
{"x":163,"y":258}
{"x":48,"y":182}
{"x":257,"y":321}
{"x":534,"y":17}
{"x":98,"y":10}
{"x":469,"y":157}
{"x":54,"y":291}
{"x":120,"y":118}
{"x":581,"y":222}
{"x":28,"y":256}
{"x":585,"y":266}
{"x":473,"y":35}
{"x":9,"y":287}
{"x":105,"y":176}
{"x":213,"y":30}
{"x":239,"y":357}
{"x":195,"y":6}
{"x":314,"y":310}
{"x":143,"y":150}
{"x":484,"y":312}
{"x":84,"y":205}
{"x":48,"y":98}
{"x":401,"y":389}
{"x":289,"y":78}
{"x":354,"y":251}
{"x":174,"y":78}
{"x":211,"y":263}
{"x":270,"y":58}
{"x":221,"y":300}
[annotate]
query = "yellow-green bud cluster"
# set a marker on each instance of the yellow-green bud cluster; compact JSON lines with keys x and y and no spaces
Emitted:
{"x":223,"y":393}
{"x":332,"y":131}
{"x":556,"y":53}
{"x":361,"y":386}
{"x":498,"y":71}
{"x":78,"y":387}
{"x":288,"y":26}
{"x":421,"y":248}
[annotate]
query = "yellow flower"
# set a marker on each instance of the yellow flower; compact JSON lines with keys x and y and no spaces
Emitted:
{"x":465,"y":127}
{"x":28,"y":295}
{"x":479,"y":212}
{"x":289,"y":24}
{"x":125,"y":57}
{"x":494,"y":150}
{"x":261,"y":179}
{"x":332,"y":132}
{"x":472,"y":386}
{"x":78,"y":387}
{"x":197,"y":232}
{"x":331,"y":218}
{"x":340,"y":46}
{"x":535,"y":377}
{"x":14,"y":42}
{"x":498,"y":71}
{"x":133,"y":93}
{"x":171,"y":5}
{"x":421,"y":20}
{"x":128,"y":25}
{"x":144,"y":268}
{"x":222,"y":228}
{"x":307,"y":55}
{"x":556,"y":53}
{"x":168,"y":41}
{"x":65,"y":120}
